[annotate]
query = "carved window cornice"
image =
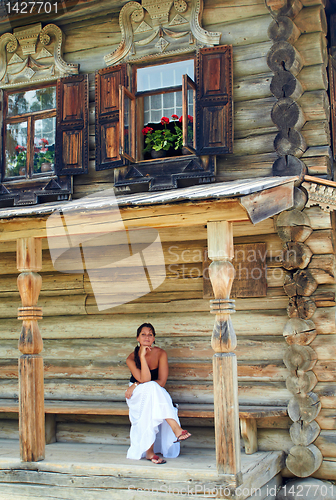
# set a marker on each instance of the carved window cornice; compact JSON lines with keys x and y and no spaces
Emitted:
{"x":161,"y":26}
{"x":33,"y":54}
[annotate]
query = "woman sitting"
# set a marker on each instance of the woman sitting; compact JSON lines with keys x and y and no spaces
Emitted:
{"x":155,"y":425}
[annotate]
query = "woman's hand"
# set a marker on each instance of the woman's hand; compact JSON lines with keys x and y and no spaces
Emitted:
{"x":143,"y":351}
{"x":129,"y":391}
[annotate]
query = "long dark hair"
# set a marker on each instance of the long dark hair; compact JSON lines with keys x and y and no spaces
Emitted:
{"x":136,"y":350}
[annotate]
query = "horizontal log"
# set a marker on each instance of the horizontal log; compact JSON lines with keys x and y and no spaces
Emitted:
{"x":316,"y":133}
{"x":315,"y":105}
{"x":313,"y":77}
{"x":283,"y":29}
{"x":312,"y":19}
{"x":312,"y":48}
{"x":319,"y":219}
{"x":227,"y":11}
{"x":252,"y":87}
{"x":318,"y":166}
{"x":257,"y":144}
{"x":251,"y":59}
{"x":179,"y":370}
{"x":253,"y":114}
{"x":326,"y":471}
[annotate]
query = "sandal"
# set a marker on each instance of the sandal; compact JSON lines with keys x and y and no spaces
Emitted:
{"x":157,"y":460}
{"x":183,"y":436}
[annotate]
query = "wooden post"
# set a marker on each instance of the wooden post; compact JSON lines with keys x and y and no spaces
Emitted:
{"x":223,"y":342}
{"x":31,"y":390}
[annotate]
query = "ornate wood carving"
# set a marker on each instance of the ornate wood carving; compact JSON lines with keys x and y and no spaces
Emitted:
{"x":250,"y":272}
{"x":321,"y":195}
{"x":166,"y":174}
{"x":224,"y":342}
{"x":159,"y":24}
{"x":31,"y":392}
{"x":32,"y":54}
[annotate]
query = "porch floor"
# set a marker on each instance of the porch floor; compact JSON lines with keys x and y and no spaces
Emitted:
{"x":84,"y":471}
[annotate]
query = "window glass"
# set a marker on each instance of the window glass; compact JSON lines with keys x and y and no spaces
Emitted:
{"x":31,"y":101}
{"x":44,"y":145}
{"x":158,"y":105}
{"x":127,"y":105}
{"x":164,"y":75}
{"x":16,"y":149}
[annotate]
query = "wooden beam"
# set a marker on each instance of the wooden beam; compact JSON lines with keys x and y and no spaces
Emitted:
{"x":225,"y":380}
{"x":31,"y":382}
{"x":98,"y":220}
{"x":265,"y":204}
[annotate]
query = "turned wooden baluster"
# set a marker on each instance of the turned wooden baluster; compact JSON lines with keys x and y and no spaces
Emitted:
{"x":221,"y":272}
{"x":31,"y":390}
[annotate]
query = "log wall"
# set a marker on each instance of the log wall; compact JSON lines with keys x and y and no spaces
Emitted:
{"x":85,"y":350}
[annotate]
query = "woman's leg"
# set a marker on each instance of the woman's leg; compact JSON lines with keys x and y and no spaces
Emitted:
{"x":177,"y":429}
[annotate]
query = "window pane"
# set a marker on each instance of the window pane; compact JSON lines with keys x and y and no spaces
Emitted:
{"x":159,"y":105}
{"x":191,"y":114}
{"x":164,"y":75}
{"x":127,"y":105}
{"x":44,"y":145}
{"x":16,"y":149}
{"x":31,"y":101}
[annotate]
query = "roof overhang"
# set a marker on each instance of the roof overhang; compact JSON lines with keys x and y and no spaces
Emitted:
{"x":243,"y":200}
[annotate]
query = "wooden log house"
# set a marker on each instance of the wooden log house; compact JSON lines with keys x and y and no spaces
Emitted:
{"x":242,"y":210}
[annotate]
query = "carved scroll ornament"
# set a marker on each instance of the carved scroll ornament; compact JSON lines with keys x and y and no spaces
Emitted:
{"x":158,"y":25}
{"x":33,"y":55}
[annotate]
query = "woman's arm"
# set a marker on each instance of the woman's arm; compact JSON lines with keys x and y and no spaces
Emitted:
{"x":163,"y":369}
{"x":142,"y":375}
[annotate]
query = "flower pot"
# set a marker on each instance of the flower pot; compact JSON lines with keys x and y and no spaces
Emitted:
{"x":158,"y":154}
{"x":46,"y":167}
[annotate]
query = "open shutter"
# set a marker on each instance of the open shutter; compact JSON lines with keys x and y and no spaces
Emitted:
{"x":189,"y":113}
{"x":214,"y":100}
{"x":127,"y":124}
{"x":108,"y":81}
{"x":72,"y":131}
{"x":332,"y":90}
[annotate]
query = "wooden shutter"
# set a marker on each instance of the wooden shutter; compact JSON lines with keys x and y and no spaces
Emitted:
{"x":332,"y":91}
{"x":72,"y":130}
{"x":188,"y":127}
{"x":108,"y":81}
{"x":214,"y":100}
{"x":127,"y":124}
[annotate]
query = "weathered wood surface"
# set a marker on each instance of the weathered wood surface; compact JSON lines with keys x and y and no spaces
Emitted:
{"x":113,"y":478}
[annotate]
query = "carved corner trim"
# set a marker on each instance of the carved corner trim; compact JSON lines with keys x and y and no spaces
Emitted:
{"x":159,"y":26}
{"x":61,"y":65}
{"x":128,"y":10}
{"x":37,"y":56}
{"x":203,"y":36}
{"x":323,"y":196}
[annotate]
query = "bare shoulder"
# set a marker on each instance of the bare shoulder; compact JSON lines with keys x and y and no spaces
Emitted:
{"x":161,"y":353}
{"x":130,"y":357}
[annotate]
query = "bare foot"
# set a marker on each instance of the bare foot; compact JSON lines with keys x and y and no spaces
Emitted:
{"x":183,"y":436}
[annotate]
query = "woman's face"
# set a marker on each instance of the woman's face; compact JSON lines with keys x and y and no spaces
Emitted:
{"x":146,"y":336}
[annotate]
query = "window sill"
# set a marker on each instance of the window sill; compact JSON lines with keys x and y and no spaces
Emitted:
{"x":166,"y":173}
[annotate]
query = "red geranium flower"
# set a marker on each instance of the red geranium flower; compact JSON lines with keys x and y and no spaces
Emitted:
{"x":43,"y":141}
{"x":190,"y":118}
{"x":147,"y":130}
{"x":175,"y":117}
{"x":181,"y":119}
{"x":164,"y":120}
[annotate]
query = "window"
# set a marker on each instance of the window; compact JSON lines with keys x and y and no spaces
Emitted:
{"x":30,"y":133}
{"x":45,"y":140}
{"x":163,"y":90}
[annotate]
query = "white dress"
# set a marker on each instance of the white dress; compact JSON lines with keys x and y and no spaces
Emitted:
{"x":149,"y":406}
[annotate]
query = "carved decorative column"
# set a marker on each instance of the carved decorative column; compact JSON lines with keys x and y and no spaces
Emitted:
{"x":224,"y":342}
{"x":31,"y":390}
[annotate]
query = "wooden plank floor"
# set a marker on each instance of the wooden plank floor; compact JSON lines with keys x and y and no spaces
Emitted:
{"x":76,"y":471}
